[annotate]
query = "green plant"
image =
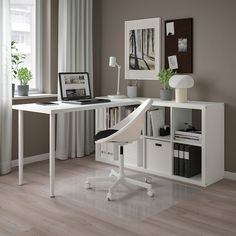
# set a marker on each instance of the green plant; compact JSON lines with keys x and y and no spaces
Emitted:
{"x":16,"y":59}
{"x":164,"y":77}
{"x":24,"y":75}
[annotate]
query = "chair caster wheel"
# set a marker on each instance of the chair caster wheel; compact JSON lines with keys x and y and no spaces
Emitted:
{"x":87,"y":185}
{"x":148,"y":180}
{"x":150,"y":193}
{"x":109,"y":196}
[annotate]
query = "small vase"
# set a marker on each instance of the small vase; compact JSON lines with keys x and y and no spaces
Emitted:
{"x":132,"y":91}
{"x":23,"y":90}
{"x":166,"y":94}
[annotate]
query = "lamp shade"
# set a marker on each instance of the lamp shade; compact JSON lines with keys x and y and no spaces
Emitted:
{"x":181,"y":81}
{"x":112,"y":61}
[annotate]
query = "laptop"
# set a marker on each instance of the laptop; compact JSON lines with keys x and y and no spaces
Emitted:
{"x":75,"y":89}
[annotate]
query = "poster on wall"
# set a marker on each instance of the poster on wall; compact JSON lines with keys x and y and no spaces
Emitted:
{"x":179,"y":45}
{"x":142,"y":49}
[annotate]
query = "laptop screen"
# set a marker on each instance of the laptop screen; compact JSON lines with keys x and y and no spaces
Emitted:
{"x":74,"y":86}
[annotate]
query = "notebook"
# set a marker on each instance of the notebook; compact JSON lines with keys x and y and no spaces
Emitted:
{"x":75,"y":88}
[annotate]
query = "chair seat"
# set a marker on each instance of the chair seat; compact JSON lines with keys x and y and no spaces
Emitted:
{"x":104,"y":133}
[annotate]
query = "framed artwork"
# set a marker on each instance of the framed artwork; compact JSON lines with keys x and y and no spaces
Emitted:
{"x":142,"y":49}
{"x":179,"y":45}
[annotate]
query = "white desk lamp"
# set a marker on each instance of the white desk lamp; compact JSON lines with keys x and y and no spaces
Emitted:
{"x":181,"y":83}
{"x":113,"y":63}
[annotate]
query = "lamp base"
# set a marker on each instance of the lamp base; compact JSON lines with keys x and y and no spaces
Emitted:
{"x":181,"y":95}
{"x":116,"y":96}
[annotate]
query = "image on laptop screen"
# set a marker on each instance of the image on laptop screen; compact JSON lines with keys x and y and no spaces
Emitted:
{"x":74,"y":86}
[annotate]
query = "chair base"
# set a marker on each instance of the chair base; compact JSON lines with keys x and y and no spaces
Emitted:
{"x":117,"y":178}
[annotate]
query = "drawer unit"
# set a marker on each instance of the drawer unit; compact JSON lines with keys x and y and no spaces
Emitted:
{"x":158,"y":156}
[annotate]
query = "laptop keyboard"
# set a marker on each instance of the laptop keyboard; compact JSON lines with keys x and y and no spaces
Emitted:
{"x":92,"y":101}
{"x":88,"y":101}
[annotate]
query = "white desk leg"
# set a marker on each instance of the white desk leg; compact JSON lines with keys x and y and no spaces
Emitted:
{"x":20,"y":146}
{"x":52,"y":154}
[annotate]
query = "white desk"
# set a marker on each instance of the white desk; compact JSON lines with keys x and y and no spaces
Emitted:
{"x":212,"y":119}
{"x":52,"y":110}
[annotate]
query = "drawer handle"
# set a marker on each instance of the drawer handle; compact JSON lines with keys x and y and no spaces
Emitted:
{"x":158,"y":144}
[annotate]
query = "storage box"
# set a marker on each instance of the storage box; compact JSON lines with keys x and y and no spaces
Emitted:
{"x":158,"y":156}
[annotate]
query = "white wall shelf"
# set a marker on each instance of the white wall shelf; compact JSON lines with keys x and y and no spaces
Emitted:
{"x":143,"y":156}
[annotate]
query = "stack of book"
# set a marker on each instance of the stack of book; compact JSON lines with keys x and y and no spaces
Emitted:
{"x":195,"y":135}
{"x":187,"y":160}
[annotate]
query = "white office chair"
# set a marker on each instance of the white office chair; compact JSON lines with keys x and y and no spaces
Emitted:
{"x":124,"y":132}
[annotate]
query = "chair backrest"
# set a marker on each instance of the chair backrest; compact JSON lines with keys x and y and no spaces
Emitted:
{"x":129,"y":129}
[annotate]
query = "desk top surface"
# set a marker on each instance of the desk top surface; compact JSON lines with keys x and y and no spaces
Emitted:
{"x":60,"y":107}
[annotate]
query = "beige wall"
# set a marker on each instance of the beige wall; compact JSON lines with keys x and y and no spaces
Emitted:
{"x":214,"y":51}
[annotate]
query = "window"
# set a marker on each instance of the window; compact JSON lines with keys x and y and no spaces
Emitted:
{"x":25,"y":32}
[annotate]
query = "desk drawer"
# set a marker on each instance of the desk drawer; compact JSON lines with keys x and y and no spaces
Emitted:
{"x":158,"y":156}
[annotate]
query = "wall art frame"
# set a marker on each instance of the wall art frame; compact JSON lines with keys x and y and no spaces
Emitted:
{"x":143,"y":49}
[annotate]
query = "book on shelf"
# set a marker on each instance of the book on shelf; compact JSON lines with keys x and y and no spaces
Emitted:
{"x":149,"y":125}
{"x":155,"y":121}
{"x":192,"y":161}
{"x":176,"y":159}
{"x":113,"y":115}
{"x":181,"y":160}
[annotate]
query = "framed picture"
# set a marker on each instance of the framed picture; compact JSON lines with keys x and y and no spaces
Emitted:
{"x":142,"y":48}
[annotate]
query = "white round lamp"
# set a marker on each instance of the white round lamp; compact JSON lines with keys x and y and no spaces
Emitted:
{"x":113,"y":63}
{"x":181,"y":83}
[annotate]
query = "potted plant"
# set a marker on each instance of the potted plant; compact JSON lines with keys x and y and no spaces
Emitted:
{"x":164,"y":77}
{"x":24,"y":75}
{"x":16,"y":60}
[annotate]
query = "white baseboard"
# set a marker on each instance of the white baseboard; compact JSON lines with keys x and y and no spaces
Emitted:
{"x":31,"y":159}
{"x":230,"y":175}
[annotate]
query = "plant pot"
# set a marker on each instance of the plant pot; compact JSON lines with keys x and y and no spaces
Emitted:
{"x":132,"y":91}
{"x":23,"y":90}
{"x":166,"y":94}
{"x":13,"y":89}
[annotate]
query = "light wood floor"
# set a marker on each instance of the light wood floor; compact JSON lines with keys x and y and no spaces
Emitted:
{"x":177,"y":209}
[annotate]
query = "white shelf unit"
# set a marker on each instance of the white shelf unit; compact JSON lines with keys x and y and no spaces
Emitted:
{"x":154,"y":155}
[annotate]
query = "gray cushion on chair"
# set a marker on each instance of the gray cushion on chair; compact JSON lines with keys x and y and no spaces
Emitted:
{"x":104,"y":134}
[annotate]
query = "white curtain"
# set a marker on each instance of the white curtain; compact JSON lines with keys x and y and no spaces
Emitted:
{"x":75,"y":131}
{"x":5,"y":88}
